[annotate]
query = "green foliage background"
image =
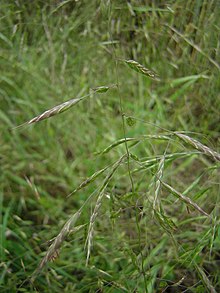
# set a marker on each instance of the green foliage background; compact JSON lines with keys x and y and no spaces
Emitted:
{"x":52,"y":51}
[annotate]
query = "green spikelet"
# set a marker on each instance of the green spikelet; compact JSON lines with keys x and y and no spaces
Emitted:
{"x":141,"y":69}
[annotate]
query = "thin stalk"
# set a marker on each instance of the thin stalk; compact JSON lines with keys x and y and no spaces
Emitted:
{"x":127,"y":150}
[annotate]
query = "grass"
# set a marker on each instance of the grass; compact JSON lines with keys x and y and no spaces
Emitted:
{"x":127,"y":180}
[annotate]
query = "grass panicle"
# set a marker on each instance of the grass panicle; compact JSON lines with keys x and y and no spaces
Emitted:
{"x":71,"y":54}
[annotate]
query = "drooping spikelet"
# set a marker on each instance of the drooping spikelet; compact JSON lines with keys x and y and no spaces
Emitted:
{"x":98,"y":205}
{"x":184,"y":198}
{"x":199,"y":146}
{"x":55,"y":110}
{"x":159,"y":176}
{"x":65,"y":106}
{"x":53,"y":250}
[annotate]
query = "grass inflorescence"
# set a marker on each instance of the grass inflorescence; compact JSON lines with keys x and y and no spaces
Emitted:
{"x":126,"y":180}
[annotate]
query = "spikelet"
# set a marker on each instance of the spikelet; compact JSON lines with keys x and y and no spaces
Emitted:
{"x":64,"y":106}
{"x":88,"y":180}
{"x":116,"y":143}
{"x":199,"y":146}
{"x":205,"y":279}
{"x":98,"y":205}
{"x":53,"y":250}
{"x":141,"y":69}
{"x":101,"y":89}
{"x":184,"y":198}
{"x":104,"y":88}
{"x":54,"y":111}
{"x":159,"y":176}
{"x":130,"y":139}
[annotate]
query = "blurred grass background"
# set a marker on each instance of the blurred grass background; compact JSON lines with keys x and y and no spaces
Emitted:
{"x":57,"y":50}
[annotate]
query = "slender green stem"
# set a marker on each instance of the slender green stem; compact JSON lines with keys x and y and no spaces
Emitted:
{"x":127,"y":151}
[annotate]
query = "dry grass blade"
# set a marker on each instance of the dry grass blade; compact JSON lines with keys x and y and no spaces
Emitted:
{"x":199,"y":146}
{"x":196,"y":47}
{"x":88,"y":180}
{"x":184,"y":198}
{"x":53,"y":250}
{"x":98,"y":205}
{"x":141,"y":69}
